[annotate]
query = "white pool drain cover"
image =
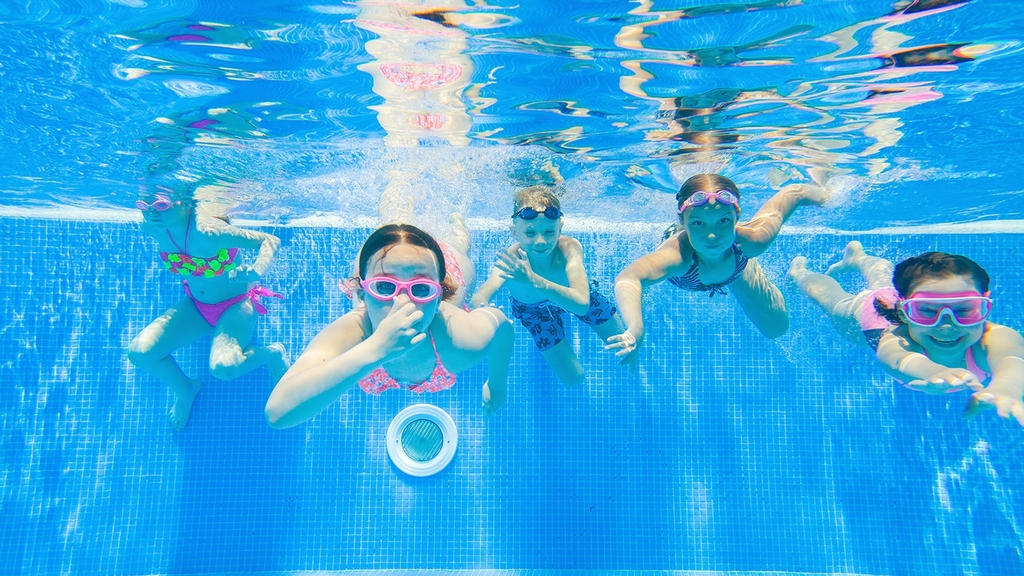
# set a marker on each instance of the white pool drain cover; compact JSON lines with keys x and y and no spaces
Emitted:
{"x":422,"y":440}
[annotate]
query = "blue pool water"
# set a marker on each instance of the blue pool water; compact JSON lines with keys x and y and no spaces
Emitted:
{"x":724,"y":452}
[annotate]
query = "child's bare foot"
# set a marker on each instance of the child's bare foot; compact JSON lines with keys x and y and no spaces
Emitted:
{"x":810,"y":194}
{"x":492,"y":402}
{"x":798,"y":268}
{"x":279,"y":363}
{"x":852,"y":258}
{"x":396,"y":204}
{"x":182,"y":408}
{"x":461,"y":240}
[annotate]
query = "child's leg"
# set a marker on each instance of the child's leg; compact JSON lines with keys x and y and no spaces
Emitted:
{"x":877,"y":271}
{"x":546,"y":325}
{"x":564,"y":363}
{"x":231,"y":355}
{"x":830,"y":296}
{"x":151,"y":351}
{"x":761,"y":300}
{"x":461,"y":240}
{"x":460,"y":243}
{"x":396,"y":204}
{"x":606,"y":330}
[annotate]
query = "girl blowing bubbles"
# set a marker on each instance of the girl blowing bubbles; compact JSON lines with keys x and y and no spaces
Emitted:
{"x":938,"y":339}
{"x":403,"y":334}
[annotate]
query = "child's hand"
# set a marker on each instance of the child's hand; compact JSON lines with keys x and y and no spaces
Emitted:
{"x":243,"y":275}
{"x":396,"y":333}
{"x":513,"y":265}
{"x":947,"y":381}
{"x":1006,"y":405}
{"x":627,"y":346}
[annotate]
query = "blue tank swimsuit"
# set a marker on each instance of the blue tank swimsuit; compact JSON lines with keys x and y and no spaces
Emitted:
{"x":691,"y":279}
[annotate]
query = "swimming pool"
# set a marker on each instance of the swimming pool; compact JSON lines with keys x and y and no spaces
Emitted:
{"x":725,"y":452}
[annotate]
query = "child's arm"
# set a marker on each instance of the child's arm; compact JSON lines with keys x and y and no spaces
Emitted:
{"x":915,"y":370}
{"x":232,"y":236}
{"x":755,"y":236}
{"x":487,"y":290}
{"x":514,"y":266}
{"x":484,"y":333}
{"x":629,"y":288}
{"x":499,"y":356}
{"x":336,"y":359}
{"x":1005,"y":353}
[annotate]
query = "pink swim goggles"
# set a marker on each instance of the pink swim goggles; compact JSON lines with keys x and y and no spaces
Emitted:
{"x":161,"y":203}
{"x":701,"y":198}
{"x":386,"y":289}
{"x":964,"y":308}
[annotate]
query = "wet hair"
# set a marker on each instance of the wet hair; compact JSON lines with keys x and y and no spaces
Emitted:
{"x":704,"y":183}
{"x":535,"y":197}
{"x":930,"y":265}
{"x":437,"y":16}
{"x":390,"y":235}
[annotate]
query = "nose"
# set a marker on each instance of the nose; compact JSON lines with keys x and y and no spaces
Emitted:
{"x":401,"y":299}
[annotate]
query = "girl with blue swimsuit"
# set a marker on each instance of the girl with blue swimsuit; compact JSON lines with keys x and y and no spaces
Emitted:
{"x":713,"y":253}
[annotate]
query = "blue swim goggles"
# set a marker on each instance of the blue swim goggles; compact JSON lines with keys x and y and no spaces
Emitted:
{"x":551,"y":213}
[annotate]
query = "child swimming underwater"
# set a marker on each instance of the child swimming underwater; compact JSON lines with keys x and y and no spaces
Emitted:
{"x":221,"y":296}
{"x":402,"y":334}
{"x":545,"y":276}
{"x":935,"y":336}
{"x":713,"y":253}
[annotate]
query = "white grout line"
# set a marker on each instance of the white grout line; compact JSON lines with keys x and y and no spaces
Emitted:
{"x":596,"y":225}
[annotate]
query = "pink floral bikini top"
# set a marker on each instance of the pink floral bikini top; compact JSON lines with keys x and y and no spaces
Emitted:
{"x":440,"y":379}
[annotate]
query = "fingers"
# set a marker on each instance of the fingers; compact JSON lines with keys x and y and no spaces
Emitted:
{"x":1018,"y":412}
{"x":1005,"y":407}
{"x":978,"y":403}
{"x":626,"y":344}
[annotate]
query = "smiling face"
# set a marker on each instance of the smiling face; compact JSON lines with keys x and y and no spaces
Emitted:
{"x":711,"y":228}
{"x":537,"y":237}
{"x":945,"y":340}
{"x":402,"y":262}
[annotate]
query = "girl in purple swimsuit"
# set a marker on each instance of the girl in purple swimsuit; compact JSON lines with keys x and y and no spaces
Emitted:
{"x":403,"y":334}
{"x":221,"y":296}
{"x":713,"y":253}
{"x":937,"y":337}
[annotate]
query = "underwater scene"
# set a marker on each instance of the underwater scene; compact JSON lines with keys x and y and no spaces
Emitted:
{"x":462,"y":286}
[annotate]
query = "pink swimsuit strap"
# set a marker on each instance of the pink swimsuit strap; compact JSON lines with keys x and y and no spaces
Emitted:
{"x":440,"y":379}
{"x":972,"y":365}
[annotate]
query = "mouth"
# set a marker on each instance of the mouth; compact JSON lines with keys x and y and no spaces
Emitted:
{"x":946,"y":343}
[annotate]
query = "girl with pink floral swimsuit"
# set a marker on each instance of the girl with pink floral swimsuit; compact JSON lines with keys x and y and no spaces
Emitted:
{"x":402,"y":334}
{"x":221,"y":296}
